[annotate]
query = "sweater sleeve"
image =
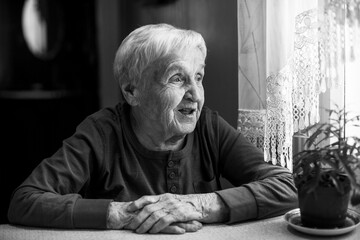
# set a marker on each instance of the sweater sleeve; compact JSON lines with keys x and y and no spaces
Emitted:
{"x":50,"y":197}
{"x":261,"y":189}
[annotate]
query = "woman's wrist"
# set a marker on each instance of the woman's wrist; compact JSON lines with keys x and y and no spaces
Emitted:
{"x":118,"y":217}
{"x":211,"y":206}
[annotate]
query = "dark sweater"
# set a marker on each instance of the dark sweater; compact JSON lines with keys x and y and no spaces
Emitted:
{"x":104,"y":161}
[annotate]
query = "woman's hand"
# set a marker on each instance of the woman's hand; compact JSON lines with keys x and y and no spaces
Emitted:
{"x":175,"y":213}
{"x":120,"y":218}
{"x":183,"y":227}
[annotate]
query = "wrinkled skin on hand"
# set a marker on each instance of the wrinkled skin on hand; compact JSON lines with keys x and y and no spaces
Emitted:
{"x":167,"y":213}
{"x":131,"y":215}
{"x":118,"y":216}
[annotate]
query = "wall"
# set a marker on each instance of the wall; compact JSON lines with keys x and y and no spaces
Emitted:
{"x":43,"y":100}
{"x":215,"y":20}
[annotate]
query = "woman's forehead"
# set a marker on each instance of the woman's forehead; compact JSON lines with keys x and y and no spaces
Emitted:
{"x":181,"y":55}
{"x":175,"y":60}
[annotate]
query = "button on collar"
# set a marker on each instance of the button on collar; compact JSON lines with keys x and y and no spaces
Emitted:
{"x":171,"y":164}
{"x":172,"y":175}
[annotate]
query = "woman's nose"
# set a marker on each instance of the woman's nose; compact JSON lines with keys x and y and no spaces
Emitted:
{"x":194,"y":92}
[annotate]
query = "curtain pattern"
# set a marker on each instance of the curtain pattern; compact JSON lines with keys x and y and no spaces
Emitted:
{"x":289,"y":52}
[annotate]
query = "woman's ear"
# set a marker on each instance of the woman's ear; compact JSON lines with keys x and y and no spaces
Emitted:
{"x":130,"y":93}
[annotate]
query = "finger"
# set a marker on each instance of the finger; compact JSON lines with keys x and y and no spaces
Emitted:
{"x":145,"y":213}
{"x":173,"y":230}
{"x":162,"y":223}
{"x":142,"y":202}
{"x":191,"y":226}
{"x":152,"y":220}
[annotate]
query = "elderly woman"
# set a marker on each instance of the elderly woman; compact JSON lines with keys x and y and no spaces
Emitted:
{"x":153,"y":163}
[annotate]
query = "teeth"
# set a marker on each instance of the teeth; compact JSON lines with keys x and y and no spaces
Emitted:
{"x":186,"y":111}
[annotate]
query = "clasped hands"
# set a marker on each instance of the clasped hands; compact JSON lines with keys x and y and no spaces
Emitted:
{"x":167,"y":213}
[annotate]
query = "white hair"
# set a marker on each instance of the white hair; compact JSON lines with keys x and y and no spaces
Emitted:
{"x":149,"y":43}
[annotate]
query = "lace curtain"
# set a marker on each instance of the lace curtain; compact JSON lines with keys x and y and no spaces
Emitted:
{"x":289,"y":52}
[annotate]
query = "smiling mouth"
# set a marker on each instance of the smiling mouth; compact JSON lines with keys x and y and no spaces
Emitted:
{"x":187,"y":111}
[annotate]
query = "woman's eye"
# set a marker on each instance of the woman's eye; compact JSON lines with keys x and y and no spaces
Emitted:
{"x":176,"y":79}
{"x":199,"y":77}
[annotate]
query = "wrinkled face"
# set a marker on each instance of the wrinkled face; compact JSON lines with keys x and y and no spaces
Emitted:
{"x":173,"y":96}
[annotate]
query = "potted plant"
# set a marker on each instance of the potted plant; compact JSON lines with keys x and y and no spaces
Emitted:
{"x":325,"y":173}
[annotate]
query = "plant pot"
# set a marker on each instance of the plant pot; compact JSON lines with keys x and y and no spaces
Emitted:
{"x":325,"y":206}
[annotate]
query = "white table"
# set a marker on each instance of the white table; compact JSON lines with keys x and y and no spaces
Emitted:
{"x":273,"y":228}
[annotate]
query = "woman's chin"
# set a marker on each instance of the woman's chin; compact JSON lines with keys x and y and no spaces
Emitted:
{"x":186,"y":128}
